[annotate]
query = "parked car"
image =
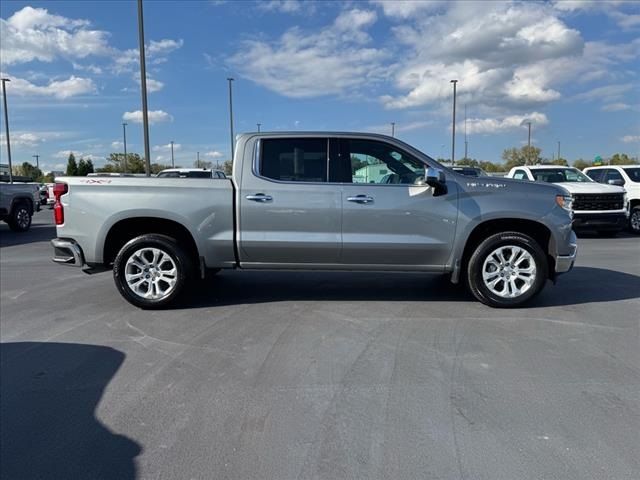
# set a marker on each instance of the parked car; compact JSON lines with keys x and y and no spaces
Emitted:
{"x":627,"y":176}
{"x":595,"y":206}
{"x":191,"y":173}
{"x":292,"y":203}
{"x":470,"y":171}
{"x":18,"y":201}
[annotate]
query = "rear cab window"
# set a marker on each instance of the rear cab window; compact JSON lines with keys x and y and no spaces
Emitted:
{"x":294,"y":159}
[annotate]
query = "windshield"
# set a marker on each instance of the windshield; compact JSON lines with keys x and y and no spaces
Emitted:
{"x":633,"y":173}
{"x":558,"y":175}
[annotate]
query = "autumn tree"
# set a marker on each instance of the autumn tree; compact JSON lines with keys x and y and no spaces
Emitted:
{"x":72,"y":166}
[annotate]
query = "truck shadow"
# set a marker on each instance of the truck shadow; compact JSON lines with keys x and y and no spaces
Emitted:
{"x":37,"y":233}
{"x":582,"y":285}
{"x":49,"y":393}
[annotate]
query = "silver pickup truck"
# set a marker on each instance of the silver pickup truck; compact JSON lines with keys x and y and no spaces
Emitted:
{"x":316,"y":201}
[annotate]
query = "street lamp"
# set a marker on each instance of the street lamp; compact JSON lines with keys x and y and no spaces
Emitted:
{"x":453,"y":136}
{"x":6,"y":124}
{"x":558,"y":149}
{"x":198,"y":159}
{"x":143,"y":88}
{"x":393,"y":129}
{"x":258,"y":124}
{"x":172,"y":162}
{"x":230,"y":79}
{"x":37,"y":157}
{"x":124,"y":143}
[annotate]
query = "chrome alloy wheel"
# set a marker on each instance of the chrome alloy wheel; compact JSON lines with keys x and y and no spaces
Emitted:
{"x":635,"y":220}
{"x":509,"y":271}
{"x":22,"y":217}
{"x":151,"y":273}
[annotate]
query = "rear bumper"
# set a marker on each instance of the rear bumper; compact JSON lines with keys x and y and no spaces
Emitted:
{"x":67,"y":252}
{"x":611,"y":221}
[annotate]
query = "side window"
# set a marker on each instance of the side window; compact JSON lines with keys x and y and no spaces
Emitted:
{"x":381,"y":163}
{"x":613,"y":174}
{"x":294,"y":159}
{"x":520,"y":175}
{"x":596,"y":175}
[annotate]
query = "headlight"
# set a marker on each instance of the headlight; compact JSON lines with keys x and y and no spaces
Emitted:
{"x":565,"y":201}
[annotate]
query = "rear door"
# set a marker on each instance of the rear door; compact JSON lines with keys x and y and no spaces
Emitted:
{"x":289,"y":214}
{"x":398,"y":222}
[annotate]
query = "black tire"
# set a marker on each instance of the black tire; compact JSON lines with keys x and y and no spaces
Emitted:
{"x":474,"y":272}
{"x":20,"y":217}
{"x":167,"y":245}
{"x":634,"y":219}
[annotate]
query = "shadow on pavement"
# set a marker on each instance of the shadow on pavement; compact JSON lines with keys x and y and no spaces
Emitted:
{"x":581,"y":285}
{"x":48,"y":396}
{"x":37,"y":233}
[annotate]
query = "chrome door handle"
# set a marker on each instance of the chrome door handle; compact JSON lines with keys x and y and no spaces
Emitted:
{"x":360,"y":199}
{"x":259,"y":197}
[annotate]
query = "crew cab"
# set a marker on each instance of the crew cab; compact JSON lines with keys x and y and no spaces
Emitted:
{"x":595,"y":206}
{"x":627,"y":176}
{"x":18,"y":202}
{"x":294,"y":202}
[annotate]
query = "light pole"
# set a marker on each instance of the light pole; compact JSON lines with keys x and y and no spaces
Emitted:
{"x":558,"y":149}
{"x":258,"y":124}
{"x":393,"y":129}
{"x":453,"y":136}
{"x":6,"y":125}
{"x":466,"y":143}
{"x":230,"y":79}
{"x":529,"y":137}
{"x":124,"y":143}
{"x":198,"y":159}
{"x":37,"y":157}
{"x":172,"y":162}
{"x":143,"y":85}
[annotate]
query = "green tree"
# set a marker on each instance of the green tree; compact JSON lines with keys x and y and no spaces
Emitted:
{"x":28,"y":170}
{"x":72,"y":166}
{"x":467,"y":162}
{"x":89,"y":166}
{"x":227,"y":167}
{"x":622,"y":159}
{"x":116,"y":164}
{"x":516,"y":157}
{"x":49,"y":178}
{"x":559,"y":161}
{"x":82,"y":167}
{"x":157,"y":168}
{"x":581,"y":164}
{"x":491,"y":167}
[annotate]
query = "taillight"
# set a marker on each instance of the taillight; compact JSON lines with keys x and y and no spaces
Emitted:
{"x":59,"y":189}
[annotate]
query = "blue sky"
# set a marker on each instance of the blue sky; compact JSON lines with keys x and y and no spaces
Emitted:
{"x":570,"y":67}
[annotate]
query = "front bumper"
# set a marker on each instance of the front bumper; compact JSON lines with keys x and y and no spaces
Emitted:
{"x":67,"y":252}
{"x":564,"y":263}
{"x":613,"y":221}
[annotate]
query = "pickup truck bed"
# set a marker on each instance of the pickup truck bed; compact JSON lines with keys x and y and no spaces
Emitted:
{"x":295,"y":201}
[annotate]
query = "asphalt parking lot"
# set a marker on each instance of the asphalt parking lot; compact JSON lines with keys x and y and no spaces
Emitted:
{"x":277,"y":375}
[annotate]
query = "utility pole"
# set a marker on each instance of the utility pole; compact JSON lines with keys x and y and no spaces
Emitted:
{"x":124,"y":142}
{"x":230,"y":79}
{"x":466,"y":143}
{"x":529,"y":138}
{"x":558,"y":149}
{"x":172,"y":162}
{"x":6,"y":125}
{"x":393,"y":129}
{"x":37,"y":157}
{"x":258,"y":124}
{"x":198,"y":159}
{"x":143,"y":88}
{"x":453,"y":136}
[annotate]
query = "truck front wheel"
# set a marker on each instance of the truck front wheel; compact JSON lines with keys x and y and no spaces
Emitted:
{"x":507,"y":269}
{"x":20,"y":217}
{"x":151,"y":271}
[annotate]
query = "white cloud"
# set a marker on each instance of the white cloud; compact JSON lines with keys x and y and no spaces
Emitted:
{"x":631,"y":139}
{"x":615,"y":107}
{"x":77,"y":154}
{"x":116,"y":145}
{"x":399,"y":127}
{"x":152,"y":84}
{"x":495,"y":125}
{"x":214,"y":154}
{"x":606,"y":92}
{"x":161,"y":48}
{"x":59,"y":89}
{"x":35,"y":34}
{"x":156,"y":52}
{"x":284,"y":6}
{"x":22,"y":139}
{"x":155,"y":116}
{"x":403,"y":9}
{"x":332,"y":61}
{"x":167,"y":147}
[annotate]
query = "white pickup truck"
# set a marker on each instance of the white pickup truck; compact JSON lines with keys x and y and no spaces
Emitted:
{"x":595,"y":206}
{"x":294,"y":202}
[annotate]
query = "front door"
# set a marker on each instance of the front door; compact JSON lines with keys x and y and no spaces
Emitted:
{"x":289,"y":214}
{"x":390,"y":217}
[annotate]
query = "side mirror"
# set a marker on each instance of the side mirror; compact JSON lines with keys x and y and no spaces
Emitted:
{"x":434,"y":177}
{"x":616,"y":181}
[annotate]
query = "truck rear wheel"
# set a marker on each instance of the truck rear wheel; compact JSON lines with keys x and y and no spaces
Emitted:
{"x":507,"y":269}
{"x":151,"y":271}
{"x":20,"y":217}
{"x":634,"y":220}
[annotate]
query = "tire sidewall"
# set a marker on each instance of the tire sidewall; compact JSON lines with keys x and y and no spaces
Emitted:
{"x":14,"y":224}
{"x":634,"y":210}
{"x":474,"y":271}
{"x":169,"y":247}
